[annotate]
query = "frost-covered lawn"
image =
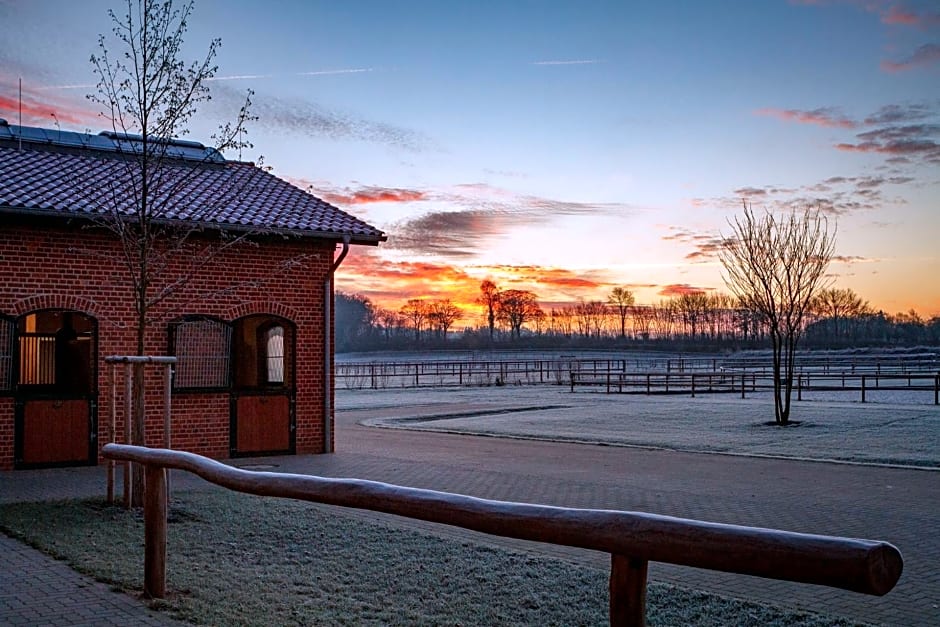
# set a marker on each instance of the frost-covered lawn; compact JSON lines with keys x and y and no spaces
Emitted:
{"x":875,"y":432}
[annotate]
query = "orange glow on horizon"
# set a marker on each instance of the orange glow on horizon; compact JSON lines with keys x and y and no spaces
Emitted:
{"x":390,"y":284}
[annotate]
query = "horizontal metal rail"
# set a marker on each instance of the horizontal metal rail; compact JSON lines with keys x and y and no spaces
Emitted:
{"x":632,"y":538}
{"x":447,"y":373}
{"x":658,"y":383}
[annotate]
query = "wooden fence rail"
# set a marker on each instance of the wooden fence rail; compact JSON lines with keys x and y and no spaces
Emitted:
{"x":633,"y":539}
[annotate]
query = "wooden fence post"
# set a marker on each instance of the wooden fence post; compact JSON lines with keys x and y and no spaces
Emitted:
{"x":627,"y":591}
{"x":155,"y":531}
{"x":112,"y":427}
{"x":128,"y":411}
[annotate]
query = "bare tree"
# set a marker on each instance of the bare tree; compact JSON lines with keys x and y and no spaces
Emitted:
{"x":391,"y":322}
{"x":148,"y":96}
{"x":837,"y":305}
{"x":489,"y":298}
{"x":775,"y":265}
{"x":642,"y":316}
{"x":692,"y":306}
{"x":443,"y":314}
{"x":622,"y":299}
{"x":416,"y":312}
{"x":516,"y":307}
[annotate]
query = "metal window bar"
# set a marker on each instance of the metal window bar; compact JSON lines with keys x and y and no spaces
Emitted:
{"x":6,"y":354}
{"x":274,"y":353}
{"x":37,"y":359}
{"x":203,"y":352}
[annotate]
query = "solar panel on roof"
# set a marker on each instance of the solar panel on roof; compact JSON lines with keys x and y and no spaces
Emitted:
{"x":108,"y":141}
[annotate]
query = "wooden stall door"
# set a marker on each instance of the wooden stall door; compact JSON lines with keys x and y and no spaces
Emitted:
{"x":263,"y":390}
{"x":56,"y":431}
{"x":262,"y":423}
{"x":56,"y":389}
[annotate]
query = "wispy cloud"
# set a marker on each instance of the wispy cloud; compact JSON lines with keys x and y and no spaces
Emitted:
{"x":370,"y":194}
{"x":569,"y":62}
{"x":680,"y":289}
{"x":897,"y":113}
{"x":705,"y":245}
{"x":240,"y":77}
{"x":44,"y":111}
{"x":824,"y":116}
{"x":835,"y":195}
{"x":912,"y":140}
{"x":451,"y":234}
{"x":894,"y":136}
{"x":850,"y":259}
{"x":927,"y":54}
{"x":301,"y":117}
{"x":480,"y":213}
{"x":358,"y":70}
{"x":898,"y":14}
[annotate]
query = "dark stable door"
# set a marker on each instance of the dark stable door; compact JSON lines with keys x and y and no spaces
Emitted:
{"x":55,"y":391}
{"x":263,"y":395}
{"x":263,"y":423}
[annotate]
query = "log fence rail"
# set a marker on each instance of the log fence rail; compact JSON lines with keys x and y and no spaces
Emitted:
{"x":633,"y":539}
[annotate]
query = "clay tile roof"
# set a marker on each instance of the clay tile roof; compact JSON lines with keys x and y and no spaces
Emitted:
{"x":46,"y":172}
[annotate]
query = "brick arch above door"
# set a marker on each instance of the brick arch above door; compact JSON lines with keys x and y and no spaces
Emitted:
{"x":262,"y":308}
{"x":69,"y":302}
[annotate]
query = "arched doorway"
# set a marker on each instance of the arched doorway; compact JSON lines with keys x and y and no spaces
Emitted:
{"x":56,"y":389}
{"x":263,"y":390}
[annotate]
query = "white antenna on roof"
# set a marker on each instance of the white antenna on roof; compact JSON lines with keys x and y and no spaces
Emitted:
{"x":20,"y":133}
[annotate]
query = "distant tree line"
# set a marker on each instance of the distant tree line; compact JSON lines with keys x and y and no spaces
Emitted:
{"x":695,"y":320}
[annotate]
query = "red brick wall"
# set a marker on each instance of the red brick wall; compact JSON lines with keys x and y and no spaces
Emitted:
{"x":79,"y":269}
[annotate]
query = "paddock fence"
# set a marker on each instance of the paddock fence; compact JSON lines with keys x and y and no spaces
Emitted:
{"x":864,"y":374}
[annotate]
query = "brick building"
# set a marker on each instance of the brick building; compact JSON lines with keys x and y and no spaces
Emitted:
{"x":244,"y":300}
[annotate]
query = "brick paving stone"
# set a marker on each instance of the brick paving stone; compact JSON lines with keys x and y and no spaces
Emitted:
{"x":35,"y":589}
{"x":899,"y":505}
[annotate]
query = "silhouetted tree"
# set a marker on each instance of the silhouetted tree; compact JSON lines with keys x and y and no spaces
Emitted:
{"x":354,"y":321}
{"x":489,"y":298}
{"x":622,"y":299}
{"x":775,"y":265}
{"x":515,"y":308}
{"x":442,"y":314}
{"x":416,"y":312}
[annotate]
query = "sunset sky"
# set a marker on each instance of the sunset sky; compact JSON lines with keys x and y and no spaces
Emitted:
{"x":561,"y":147}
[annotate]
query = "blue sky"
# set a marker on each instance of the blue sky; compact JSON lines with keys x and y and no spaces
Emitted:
{"x":562,"y":147}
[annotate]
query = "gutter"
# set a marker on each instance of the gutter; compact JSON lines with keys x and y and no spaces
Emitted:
{"x":328,"y":348}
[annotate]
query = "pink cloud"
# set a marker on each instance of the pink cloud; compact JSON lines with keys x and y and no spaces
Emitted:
{"x":679,"y":289}
{"x":924,"y":55}
{"x":898,"y":15}
{"x":824,"y":116}
{"x":375,"y":194}
{"x":43,"y":113}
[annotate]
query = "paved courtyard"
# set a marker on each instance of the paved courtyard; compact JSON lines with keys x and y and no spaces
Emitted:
{"x":642,"y":471}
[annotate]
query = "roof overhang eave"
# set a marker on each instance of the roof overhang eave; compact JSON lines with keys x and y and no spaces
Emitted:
{"x":361,"y":239}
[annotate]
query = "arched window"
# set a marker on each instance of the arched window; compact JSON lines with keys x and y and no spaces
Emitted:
{"x":262,"y":346}
{"x":56,"y":351}
{"x":274,"y":354}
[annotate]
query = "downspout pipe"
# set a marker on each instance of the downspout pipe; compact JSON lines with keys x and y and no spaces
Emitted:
{"x":328,"y":348}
